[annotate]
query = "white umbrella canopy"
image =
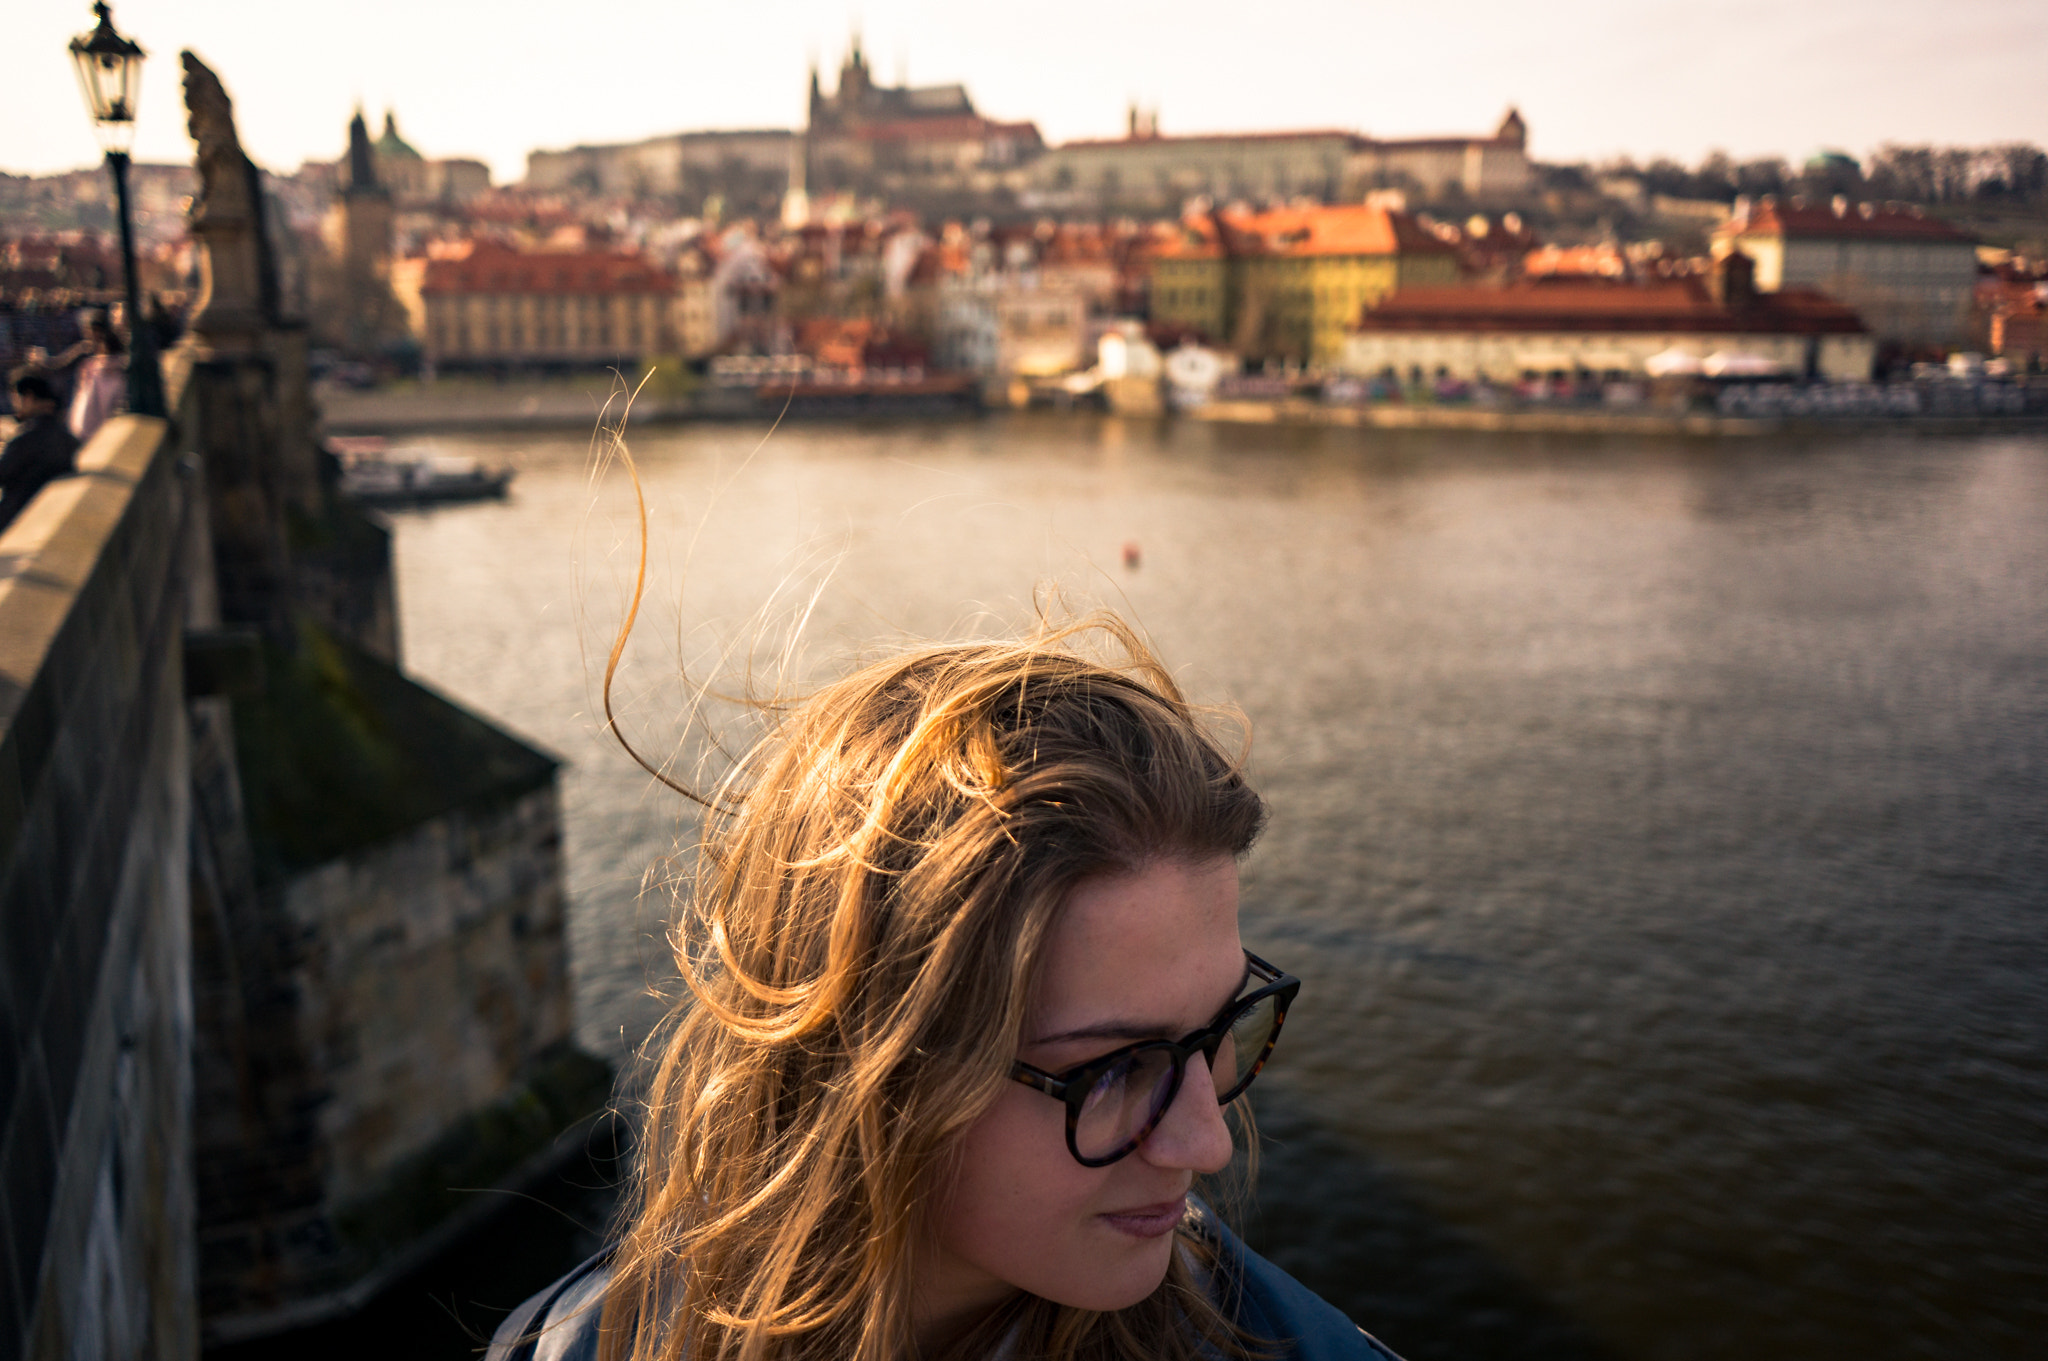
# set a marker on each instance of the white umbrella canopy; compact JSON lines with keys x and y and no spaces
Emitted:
{"x":1194,"y":368}
{"x":1736,"y":364}
{"x":1673,"y":363}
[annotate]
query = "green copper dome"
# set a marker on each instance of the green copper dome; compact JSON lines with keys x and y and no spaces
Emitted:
{"x":393,"y":147}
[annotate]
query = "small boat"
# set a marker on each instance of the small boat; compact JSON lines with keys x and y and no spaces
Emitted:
{"x":377,"y":475}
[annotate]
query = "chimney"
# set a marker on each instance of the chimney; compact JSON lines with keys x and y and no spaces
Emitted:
{"x":1133,"y":123}
{"x":1733,"y":280}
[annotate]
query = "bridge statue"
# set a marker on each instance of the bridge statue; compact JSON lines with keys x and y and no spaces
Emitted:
{"x":226,"y":217}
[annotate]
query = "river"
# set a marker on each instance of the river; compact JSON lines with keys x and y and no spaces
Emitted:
{"x":1660,"y":827}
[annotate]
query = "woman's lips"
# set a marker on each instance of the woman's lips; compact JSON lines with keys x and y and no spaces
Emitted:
{"x":1148,"y":1221}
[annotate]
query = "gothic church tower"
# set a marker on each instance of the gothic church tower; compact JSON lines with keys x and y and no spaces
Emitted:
{"x":355,"y":309}
{"x":365,"y":209}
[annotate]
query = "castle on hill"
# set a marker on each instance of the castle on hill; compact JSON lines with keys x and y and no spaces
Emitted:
{"x":928,"y":148}
{"x":894,"y":141}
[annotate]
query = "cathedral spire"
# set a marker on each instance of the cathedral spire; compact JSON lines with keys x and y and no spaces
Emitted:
{"x":362,"y":164}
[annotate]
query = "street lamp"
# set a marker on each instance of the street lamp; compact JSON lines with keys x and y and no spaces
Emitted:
{"x":110,"y":75}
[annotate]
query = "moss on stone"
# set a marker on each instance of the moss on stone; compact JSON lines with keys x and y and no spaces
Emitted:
{"x":342,"y":751}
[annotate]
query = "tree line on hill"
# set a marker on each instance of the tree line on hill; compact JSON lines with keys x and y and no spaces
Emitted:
{"x":2008,"y":172}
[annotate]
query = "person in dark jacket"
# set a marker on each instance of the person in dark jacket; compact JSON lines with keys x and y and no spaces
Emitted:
{"x":561,"y":1322}
{"x":41,"y":451}
{"x":966,"y":1010}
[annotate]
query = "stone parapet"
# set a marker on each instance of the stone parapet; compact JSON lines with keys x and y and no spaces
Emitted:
{"x":96,"y":1200}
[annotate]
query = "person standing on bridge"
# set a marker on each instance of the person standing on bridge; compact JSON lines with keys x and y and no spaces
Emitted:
{"x":41,"y":451}
{"x":101,"y":383}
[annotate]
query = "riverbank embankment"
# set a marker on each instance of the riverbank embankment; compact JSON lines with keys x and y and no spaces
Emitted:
{"x":580,"y":405}
{"x":1592,"y":420}
{"x":425,"y":408}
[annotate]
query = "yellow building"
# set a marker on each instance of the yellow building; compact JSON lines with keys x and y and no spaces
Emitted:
{"x":695,"y":314}
{"x":1289,"y":283}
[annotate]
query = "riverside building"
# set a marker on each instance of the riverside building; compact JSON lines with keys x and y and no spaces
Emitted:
{"x":489,"y":306}
{"x":1286,"y":284}
{"x":1909,"y":276}
{"x":1598,"y":327}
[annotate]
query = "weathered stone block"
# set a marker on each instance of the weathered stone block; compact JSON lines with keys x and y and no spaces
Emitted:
{"x":410,"y":905}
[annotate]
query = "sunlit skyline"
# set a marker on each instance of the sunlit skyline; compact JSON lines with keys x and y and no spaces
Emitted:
{"x":1601,"y":79}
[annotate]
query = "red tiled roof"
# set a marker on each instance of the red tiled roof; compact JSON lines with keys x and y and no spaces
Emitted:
{"x":1768,"y":217}
{"x":938,"y":262}
{"x":495,"y":269}
{"x":1674,"y":305}
{"x":1340,"y":229}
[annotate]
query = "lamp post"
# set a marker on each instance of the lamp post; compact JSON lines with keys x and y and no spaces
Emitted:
{"x":110,"y":75}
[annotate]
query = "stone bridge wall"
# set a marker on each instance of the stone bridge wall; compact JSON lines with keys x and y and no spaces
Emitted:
{"x":96,"y":1193}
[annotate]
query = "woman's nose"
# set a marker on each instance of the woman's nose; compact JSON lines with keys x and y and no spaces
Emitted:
{"x":1192,"y":1133}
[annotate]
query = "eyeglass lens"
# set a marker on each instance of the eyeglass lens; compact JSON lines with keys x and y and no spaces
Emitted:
{"x":1129,"y":1097}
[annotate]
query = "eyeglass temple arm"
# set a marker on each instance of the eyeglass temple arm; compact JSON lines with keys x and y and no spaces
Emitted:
{"x":1023,"y":1072}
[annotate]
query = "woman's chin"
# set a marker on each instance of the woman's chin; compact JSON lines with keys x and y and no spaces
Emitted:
{"x":1121,"y":1283}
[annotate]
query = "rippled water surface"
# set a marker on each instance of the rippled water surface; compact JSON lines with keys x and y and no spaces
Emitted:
{"x":1661,"y":828}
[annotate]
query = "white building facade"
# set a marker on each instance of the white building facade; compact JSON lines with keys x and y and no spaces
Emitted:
{"x":1910,"y":277}
{"x":1611,"y":329}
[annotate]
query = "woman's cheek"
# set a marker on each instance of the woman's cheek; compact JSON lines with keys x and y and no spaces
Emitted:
{"x":1018,"y":1206}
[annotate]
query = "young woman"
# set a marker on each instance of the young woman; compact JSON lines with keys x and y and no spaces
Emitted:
{"x":966,"y":1007}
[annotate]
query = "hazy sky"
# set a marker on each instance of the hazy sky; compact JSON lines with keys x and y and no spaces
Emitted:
{"x":1595,"y":78}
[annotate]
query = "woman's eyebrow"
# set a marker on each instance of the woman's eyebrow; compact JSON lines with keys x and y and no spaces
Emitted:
{"x":1120,"y":1029}
{"x":1109,"y":1030}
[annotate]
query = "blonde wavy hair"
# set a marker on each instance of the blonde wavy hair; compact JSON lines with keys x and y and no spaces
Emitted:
{"x":875,"y":883}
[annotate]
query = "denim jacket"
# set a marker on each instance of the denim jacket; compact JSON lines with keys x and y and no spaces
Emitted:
{"x":560,"y":1323}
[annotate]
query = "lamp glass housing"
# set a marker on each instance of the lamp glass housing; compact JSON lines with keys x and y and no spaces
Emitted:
{"x":110,"y":77}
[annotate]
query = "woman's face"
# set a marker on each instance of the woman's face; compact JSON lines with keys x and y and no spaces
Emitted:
{"x":1147,"y":955}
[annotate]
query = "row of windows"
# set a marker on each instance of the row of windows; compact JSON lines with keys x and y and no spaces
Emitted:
{"x":1023,"y":323}
{"x":556,"y":305}
{"x":1348,"y":264}
{"x":1337,"y":296}
{"x":461,"y":337}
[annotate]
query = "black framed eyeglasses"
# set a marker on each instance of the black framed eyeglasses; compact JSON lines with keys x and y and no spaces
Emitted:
{"x":1116,"y":1101}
